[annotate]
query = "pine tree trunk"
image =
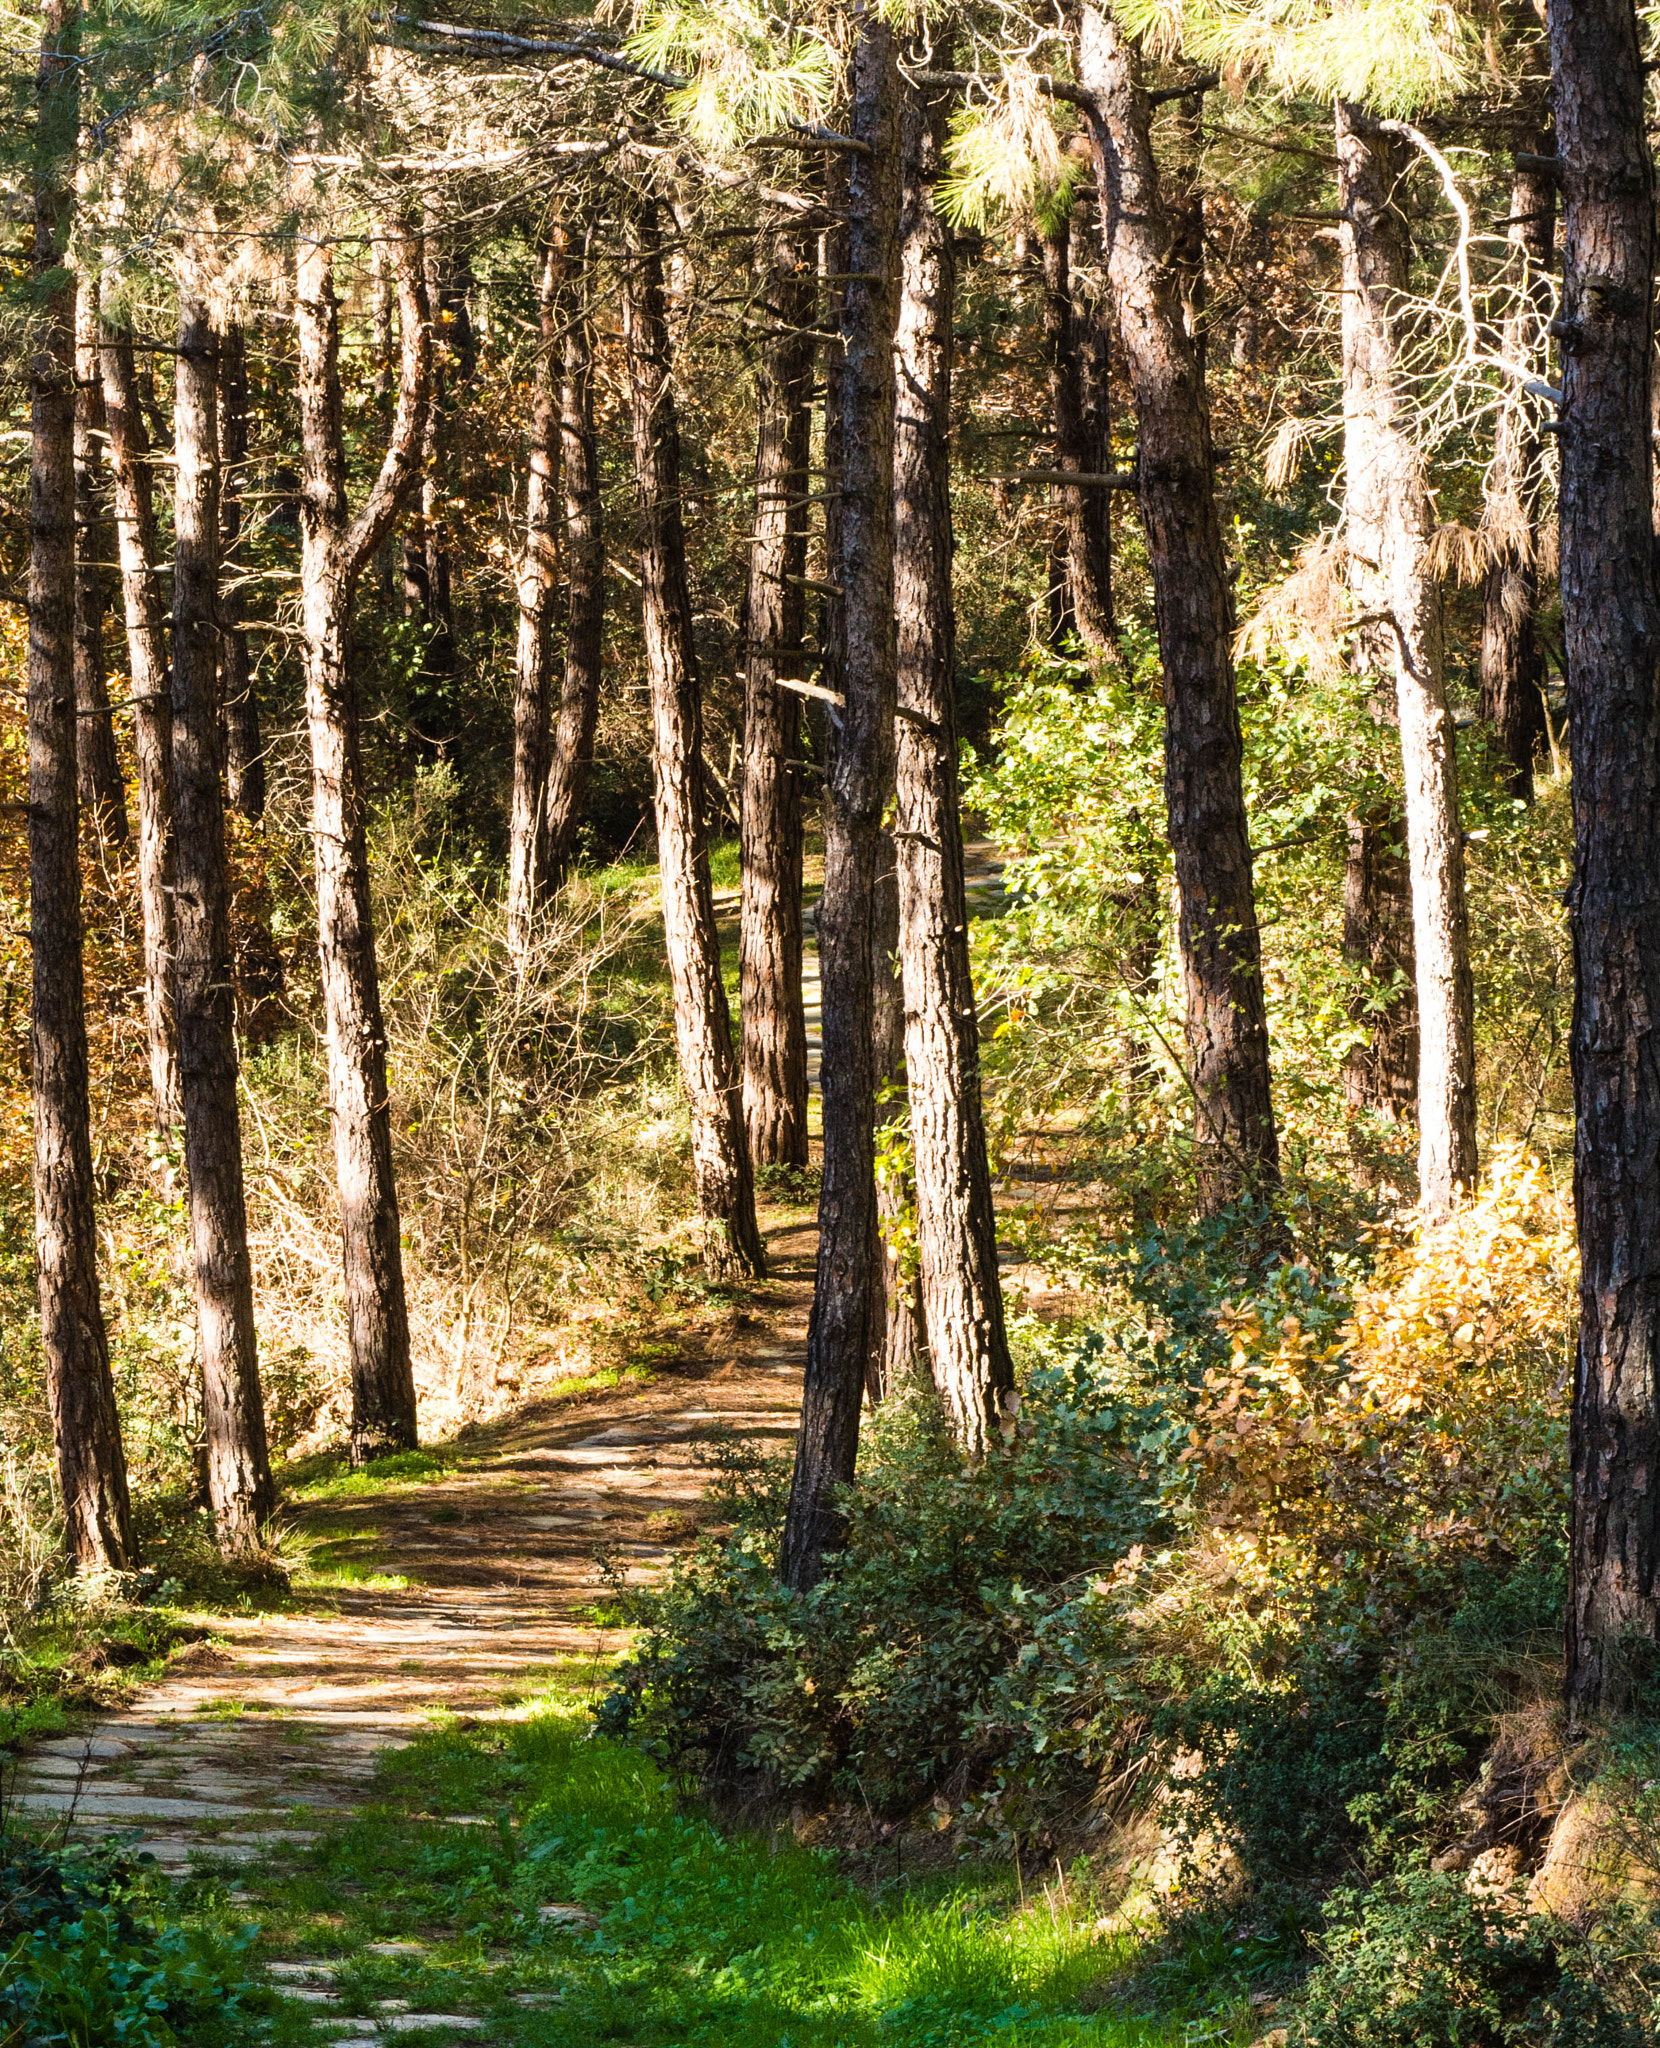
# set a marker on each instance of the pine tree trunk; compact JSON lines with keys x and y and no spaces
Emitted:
{"x":335,"y":548}
{"x":135,"y":526}
{"x":538,"y":585}
{"x":1089,"y":540}
{"x":238,"y":1465}
{"x":1512,"y":663}
{"x":895,"y":1357}
{"x":103,"y":794}
{"x":849,"y":1298}
{"x":962,"y":1298}
{"x":773,"y":1020}
{"x":702,"y":1023}
{"x":244,"y":755}
{"x":92,"y":1472}
{"x":1382,"y":1074}
{"x":1611,"y":621}
{"x":1060,"y":353}
{"x":1388,"y":523}
{"x":572,"y":753}
{"x":1217,"y":937}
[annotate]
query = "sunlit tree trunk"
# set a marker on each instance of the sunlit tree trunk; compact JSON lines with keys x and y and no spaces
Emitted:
{"x":849,"y":1297}
{"x":103,"y":794}
{"x":896,"y":1355}
{"x":571,"y":756}
{"x":238,"y":1465}
{"x":244,"y":753}
{"x":1611,"y":621}
{"x":703,"y":1025}
{"x":1388,"y":525}
{"x":773,"y":1022}
{"x":335,"y":548}
{"x":92,"y":1471}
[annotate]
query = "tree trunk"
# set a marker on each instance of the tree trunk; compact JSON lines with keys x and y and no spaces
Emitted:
{"x":848,"y":1299}
{"x":1388,"y":523}
{"x":1089,"y":541}
{"x":962,"y":1298}
{"x":1611,"y":620}
{"x":1512,"y":663}
{"x":1220,"y":950}
{"x":98,"y":770}
{"x":244,"y":755}
{"x":135,"y":526}
{"x":1066,"y":409}
{"x":895,"y":1356}
{"x":702,"y":1023}
{"x":92,"y":1470}
{"x":1187,"y":223}
{"x":773,"y":1021}
{"x":239,"y":1469}
{"x":538,"y":585}
{"x":335,"y":548}
{"x":1382,"y":1074}
{"x":572,"y":756}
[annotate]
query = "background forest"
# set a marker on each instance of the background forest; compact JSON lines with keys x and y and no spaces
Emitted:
{"x":520,"y":537}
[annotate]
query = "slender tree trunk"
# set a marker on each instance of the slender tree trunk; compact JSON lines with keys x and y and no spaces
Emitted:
{"x":572,"y":756}
{"x":962,"y":1298}
{"x":1187,"y":224}
{"x":1512,"y":663}
{"x":538,"y":585}
{"x":335,"y":548}
{"x":1089,"y":540}
{"x":848,"y":1299}
{"x":92,"y":1470}
{"x":1382,"y":1074}
{"x":152,"y":701}
{"x":1389,"y":522}
{"x":1217,"y":936}
{"x":702,"y":1023}
{"x":239,"y":1468}
{"x":1611,"y":620}
{"x":98,"y":770}
{"x":244,"y":755}
{"x":1066,"y":409}
{"x":894,"y":1358}
{"x":773,"y":1020}
{"x":835,"y":263}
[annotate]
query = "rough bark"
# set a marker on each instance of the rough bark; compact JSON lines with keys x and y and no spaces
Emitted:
{"x":152,"y":702}
{"x":537,"y":589}
{"x":895,"y":1356}
{"x":238,"y":1464}
{"x":244,"y":753}
{"x":1512,"y":662}
{"x":103,"y":794}
{"x":1611,"y":620}
{"x":962,"y":1299}
{"x":848,"y":1298}
{"x":1388,"y":522}
{"x":1382,"y":1074}
{"x":572,"y":752}
{"x":1074,"y":339}
{"x":92,"y":1470}
{"x":335,"y":548}
{"x":774,"y":1025}
{"x":702,"y":1023}
{"x":1218,"y":943}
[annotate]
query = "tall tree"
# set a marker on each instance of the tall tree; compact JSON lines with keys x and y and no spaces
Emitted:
{"x":848,"y":1298}
{"x":244,"y":752}
{"x":1073,"y":347}
{"x":962,"y":1298}
{"x":1217,"y":938}
{"x":238,"y":1464}
{"x":92,"y":1471}
{"x":897,"y":1352}
{"x":774,"y":1024}
{"x":1611,"y":621}
{"x":102,"y":792}
{"x":335,"y":549}
{"x":702,"y":1023}
{"x":1389,"y":524}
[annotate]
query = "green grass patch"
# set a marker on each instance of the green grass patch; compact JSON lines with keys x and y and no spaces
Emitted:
{"x":328,"y":1476}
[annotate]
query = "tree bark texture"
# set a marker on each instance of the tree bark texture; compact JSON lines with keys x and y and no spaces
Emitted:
{"x":152,"y":702}
{"x":538,"y":588}
{"x":92,"y":1472}
{"x":103,"y":793}
{"x":849,"y":1297}
{"x":1382,"y":1074}
{"x":1512,"y":662}
{"x":1075,"y":340}
{"x":335,"y":548}
{"x":238,"y":1464}
{"x":1217,"y":937}
{"x":239,"y":707}
{"x":895,"y":1357}
{"x":702,"y":1023}
{"x":1611,"y":621}
{"x":774,"y":1024}
{"x":1388,"y":522}
{"x":962,"y":1298}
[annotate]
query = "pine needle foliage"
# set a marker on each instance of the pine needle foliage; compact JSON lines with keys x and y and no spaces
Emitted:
{"x":749,"y":74}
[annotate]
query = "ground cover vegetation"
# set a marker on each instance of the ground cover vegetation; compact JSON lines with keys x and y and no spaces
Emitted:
{"x":1084,"y":578}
